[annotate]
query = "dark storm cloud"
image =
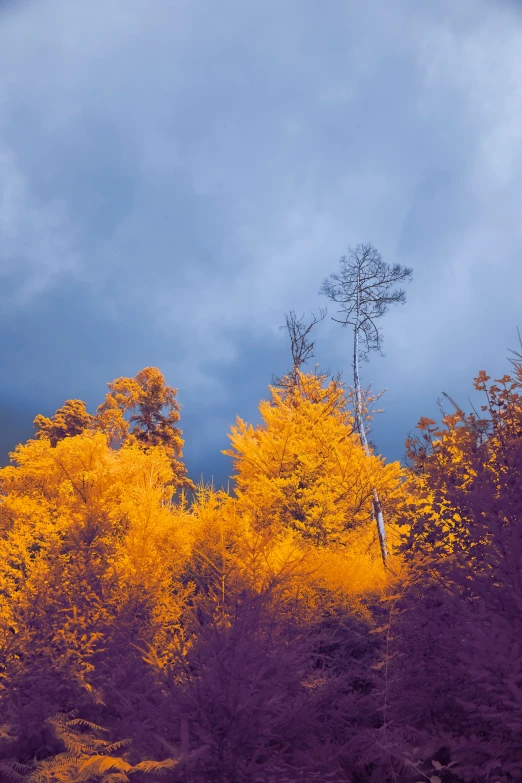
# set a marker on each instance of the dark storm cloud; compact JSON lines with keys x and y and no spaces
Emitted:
{"x":173,"y":179}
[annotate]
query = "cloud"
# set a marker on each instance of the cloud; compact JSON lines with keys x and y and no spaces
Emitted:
{"x":37,"y":238}
{"x":173,"y":179}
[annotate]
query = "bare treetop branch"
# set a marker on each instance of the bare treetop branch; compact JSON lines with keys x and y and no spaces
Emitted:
{"x":365,"y":288}
{"x":301,"y":345}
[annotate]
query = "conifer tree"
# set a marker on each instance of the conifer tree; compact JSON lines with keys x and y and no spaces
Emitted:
{"x":364,"y":289}
{"x":154,"y":411}
{"x":304,"y":468}
{"x":69,"y":420}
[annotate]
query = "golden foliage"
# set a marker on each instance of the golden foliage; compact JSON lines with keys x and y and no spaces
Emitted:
{"x":154,"y":411}
{"x":84,"y":530}
{"x":304,"y":467}
{"x":69,"y":420}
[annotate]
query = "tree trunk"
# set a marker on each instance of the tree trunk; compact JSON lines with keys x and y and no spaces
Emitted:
{"x":359,"y":423}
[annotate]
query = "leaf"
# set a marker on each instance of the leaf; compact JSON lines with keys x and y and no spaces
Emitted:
{"x":11,"y":773}
{"x":436,"y":764}
{"x":155,"y":766}
{"x":85,"y":724}
{"x":435,"y":779}
{"x":98,"y":765}
{"x":124,"y":743}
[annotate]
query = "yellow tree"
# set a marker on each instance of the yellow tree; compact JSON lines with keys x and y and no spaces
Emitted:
{"x":91,"y":550}
{"x":142,"y":410}
{"x":304,"y":467}
{"x":154,"y":414}
{"x":69,"y":420}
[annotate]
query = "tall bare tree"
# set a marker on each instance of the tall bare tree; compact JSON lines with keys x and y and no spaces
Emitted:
{"x":365,"y":288}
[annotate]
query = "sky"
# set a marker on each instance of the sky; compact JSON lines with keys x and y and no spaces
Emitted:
{"x":176,"y":175}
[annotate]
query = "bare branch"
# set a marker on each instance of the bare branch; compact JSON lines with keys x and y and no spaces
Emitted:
{"x":301,"y":346}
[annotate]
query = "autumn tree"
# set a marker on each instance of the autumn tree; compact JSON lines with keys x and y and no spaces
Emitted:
{"x":69,"y":420}
{"x":462,"y":612}
{"x":91,"y":551}
{"x":304,"y":468}
{"x":154,"y":414}
{"x":364,"y":289}
{"x":468,"y":476}
{"x":91,"y":554}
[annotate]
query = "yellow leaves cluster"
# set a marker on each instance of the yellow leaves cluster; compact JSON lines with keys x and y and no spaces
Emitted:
{"x":304,"y":467}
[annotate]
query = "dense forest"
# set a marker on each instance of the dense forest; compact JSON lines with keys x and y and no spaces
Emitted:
{"x":155,"y":630}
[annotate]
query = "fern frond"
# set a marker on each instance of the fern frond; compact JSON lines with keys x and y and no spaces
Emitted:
{"x":62,"y":718}
{"x":153,"y":767}
{"x":58,"y":769}
{"x":95,"y":694}
{"x":101,"y":765}
{"x":13,"y":770}
{"x":79,"y":745}
{"x":86,"y":724}
{"x":124,"y":743}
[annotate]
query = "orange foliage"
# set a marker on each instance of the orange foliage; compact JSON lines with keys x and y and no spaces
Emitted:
{"x":84,"y":529}
{"x":155,"y":412}
{"x":69,"y":420}
{"x":304,"y":468}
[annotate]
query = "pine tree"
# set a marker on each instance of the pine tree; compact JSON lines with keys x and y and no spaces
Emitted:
{"x":69,"y":420}
{"x":154,"y":414}
{"x":304,"y":467}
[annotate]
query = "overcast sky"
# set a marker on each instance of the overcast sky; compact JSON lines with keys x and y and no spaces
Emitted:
{"x":176,"y":175}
